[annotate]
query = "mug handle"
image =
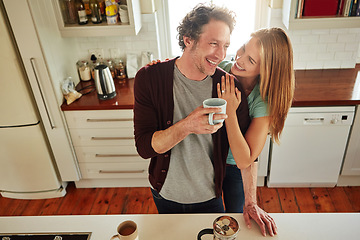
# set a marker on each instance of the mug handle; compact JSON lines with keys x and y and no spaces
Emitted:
{"x":205,"y":231}
{"x":114,"y":237}
{"x":211,"y":118}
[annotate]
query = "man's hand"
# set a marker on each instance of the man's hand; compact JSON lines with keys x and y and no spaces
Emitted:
{"x":262,"y":218}
{"x":198,"y":120}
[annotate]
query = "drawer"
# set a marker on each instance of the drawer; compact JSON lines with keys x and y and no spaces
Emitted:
{"x":114,"y":170}
{"x":108,"y":154}
{"x":102,"y":137}
{"x":100,"y":119}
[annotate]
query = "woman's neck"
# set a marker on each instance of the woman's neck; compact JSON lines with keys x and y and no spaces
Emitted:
{"x":248,"y":84}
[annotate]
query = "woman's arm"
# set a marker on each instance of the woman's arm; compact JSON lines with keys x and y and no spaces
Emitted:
{"x":251,"y":209}
{"x":245,"y":149}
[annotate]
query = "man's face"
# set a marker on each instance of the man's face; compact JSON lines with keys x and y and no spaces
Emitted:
{"x":211,"y":47}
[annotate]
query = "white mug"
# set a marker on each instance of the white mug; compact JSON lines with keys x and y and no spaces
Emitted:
{"x":215,"y":102}
{"x":127,"y":230}
{"x":123,"y":12}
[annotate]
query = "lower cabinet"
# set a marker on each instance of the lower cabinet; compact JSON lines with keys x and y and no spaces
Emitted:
{"x":105,"y":148}
{"x":350,"y":173}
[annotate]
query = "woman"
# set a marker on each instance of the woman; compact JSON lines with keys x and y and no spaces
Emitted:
{"x":264,"y":67}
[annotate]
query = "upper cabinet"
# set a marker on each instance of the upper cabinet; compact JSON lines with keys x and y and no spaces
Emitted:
{"x":293,"y":22}
{"x":102,"y":29}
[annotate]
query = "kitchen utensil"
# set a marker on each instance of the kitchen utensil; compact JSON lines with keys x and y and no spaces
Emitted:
{"x":104,"y":82}
{"x":224,"y":228}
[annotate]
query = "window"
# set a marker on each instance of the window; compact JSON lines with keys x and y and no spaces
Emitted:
{"x":245,"y":21}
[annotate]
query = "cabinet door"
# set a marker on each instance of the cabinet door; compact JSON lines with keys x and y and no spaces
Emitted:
{"x":352,"y":158}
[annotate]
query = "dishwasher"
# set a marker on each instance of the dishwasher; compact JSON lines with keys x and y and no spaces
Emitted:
{"x":312,"y":147}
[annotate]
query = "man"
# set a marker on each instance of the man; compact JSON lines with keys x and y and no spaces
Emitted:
{"x":188,"y":155}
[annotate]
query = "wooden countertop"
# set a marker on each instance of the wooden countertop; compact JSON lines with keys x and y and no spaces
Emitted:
{"x":124,"y":98}
{"x":328,"y":87}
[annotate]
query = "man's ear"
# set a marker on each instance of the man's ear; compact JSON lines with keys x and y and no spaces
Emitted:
{"x":188,"y":41}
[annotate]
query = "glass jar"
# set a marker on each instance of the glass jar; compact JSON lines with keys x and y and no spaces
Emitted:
{"x":84,"y":70}
{"x":120,"y":70}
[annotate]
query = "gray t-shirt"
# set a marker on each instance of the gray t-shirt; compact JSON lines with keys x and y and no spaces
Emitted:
{"x":190,"y":178}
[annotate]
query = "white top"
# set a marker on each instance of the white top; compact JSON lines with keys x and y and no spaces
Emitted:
{"x":186,"y":226}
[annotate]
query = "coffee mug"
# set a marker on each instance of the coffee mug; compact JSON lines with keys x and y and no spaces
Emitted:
{"x":215,"y":102}
{"x":126,"y":231}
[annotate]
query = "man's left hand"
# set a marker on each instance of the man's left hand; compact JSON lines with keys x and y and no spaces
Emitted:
{"x":262,"y":218}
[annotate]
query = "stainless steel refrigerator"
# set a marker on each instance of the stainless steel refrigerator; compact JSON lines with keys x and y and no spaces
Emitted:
{"x":36,"y":157}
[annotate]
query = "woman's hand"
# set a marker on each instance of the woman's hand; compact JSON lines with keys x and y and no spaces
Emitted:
{"x":154,"y":62}
{"x":229,"y":92}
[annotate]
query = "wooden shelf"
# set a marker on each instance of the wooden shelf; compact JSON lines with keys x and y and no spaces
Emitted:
{"x":292,"y":23}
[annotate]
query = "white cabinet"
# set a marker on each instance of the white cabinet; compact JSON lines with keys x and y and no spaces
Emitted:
{"x":350,"y":174}
{"x":105,"y":148}
{"x":102,"y":29}
{"x":292,"y":23}
{"x":263,"y":162}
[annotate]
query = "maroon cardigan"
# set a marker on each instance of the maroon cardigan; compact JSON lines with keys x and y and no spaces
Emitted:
{"x":153,"y":111}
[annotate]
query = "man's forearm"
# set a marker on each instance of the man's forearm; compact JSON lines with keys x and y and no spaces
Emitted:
{"x":164,"y":140}
{"x":249,"y":176}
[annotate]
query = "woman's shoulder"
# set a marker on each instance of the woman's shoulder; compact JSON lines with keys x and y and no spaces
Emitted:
{"x":225,"y":65}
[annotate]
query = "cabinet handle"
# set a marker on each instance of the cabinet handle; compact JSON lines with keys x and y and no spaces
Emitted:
{"x":116,"y":155}
{"x":109,"y":120}
{"x":33,"y":65}
{"x":112,"y":138}
{"x":114,"y":171}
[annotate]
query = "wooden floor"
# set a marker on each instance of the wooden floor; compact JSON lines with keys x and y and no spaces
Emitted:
{"x":95,"y":201}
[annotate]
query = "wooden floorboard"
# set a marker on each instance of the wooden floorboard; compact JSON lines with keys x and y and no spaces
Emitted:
{"x":95,"y":201}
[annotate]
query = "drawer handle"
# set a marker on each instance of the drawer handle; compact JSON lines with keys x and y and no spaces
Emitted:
{"x":112,"y":138}
{"x":116,"y":155}
{"x":109,"y":120}
{"x":111,"y":171}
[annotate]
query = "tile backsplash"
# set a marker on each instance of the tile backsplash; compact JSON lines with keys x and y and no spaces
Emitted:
{"x":321,"y":48}
{"x":146,"y":40}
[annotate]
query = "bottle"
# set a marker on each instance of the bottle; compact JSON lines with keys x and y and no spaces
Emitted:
{"x":95,"y":12}
{"x":87,"y":8}
{"x":82,"y":17}
{"x":71,"y":13}
{"x":102,"y":8}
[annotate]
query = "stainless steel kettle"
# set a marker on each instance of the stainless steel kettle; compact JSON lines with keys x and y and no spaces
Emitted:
{"x":104,"y":82}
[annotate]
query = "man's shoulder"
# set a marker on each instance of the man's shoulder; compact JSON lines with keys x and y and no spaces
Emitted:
{"x":156,"y":69}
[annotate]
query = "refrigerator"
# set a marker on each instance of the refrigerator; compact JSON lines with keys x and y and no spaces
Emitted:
{"x":36,"y":155}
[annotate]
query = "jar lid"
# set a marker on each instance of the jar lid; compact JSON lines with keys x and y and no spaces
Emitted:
{"x":82,"y":63}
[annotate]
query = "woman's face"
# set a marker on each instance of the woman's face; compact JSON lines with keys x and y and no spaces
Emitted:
{"x":247,"y":61}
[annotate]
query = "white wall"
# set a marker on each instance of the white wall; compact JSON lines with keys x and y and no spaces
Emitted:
{"x":321,"y":48}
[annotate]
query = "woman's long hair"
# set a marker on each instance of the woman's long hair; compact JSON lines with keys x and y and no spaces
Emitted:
{"x":277,"y":80}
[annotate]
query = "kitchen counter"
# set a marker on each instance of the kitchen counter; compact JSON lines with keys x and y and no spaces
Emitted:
{"x":328,"y":87}
{"x":186,"y":226}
